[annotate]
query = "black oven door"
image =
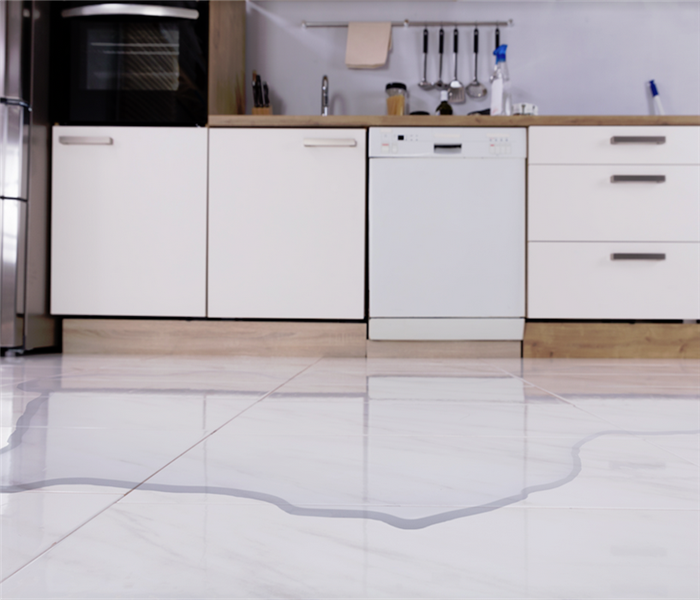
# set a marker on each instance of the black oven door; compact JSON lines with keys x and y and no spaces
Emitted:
{"x":130,"y":63}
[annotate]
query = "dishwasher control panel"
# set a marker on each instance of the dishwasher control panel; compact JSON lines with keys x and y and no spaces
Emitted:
{"x":464,"y":142}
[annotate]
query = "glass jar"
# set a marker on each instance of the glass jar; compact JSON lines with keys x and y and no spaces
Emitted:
{"x":396,"y":99}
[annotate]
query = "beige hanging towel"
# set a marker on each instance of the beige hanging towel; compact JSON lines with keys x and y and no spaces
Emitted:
{"x":368,"y":45}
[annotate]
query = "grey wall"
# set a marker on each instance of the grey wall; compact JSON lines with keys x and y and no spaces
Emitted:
{"x":586,"y":58}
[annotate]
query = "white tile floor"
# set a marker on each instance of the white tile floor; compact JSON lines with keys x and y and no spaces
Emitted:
{"x":349,"y":478}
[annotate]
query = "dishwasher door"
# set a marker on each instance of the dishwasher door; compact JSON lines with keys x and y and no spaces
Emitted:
{"x":446,"y":237}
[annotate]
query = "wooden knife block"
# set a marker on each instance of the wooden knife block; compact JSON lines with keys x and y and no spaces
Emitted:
{"x":262,"y":110}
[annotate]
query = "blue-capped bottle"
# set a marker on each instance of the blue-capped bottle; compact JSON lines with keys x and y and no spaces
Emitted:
{"x":500,"y":84}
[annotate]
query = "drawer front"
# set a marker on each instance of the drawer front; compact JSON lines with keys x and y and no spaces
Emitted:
{"x":614,"y":203}
{"x":614,"y":145}
{"x":568,"y":280}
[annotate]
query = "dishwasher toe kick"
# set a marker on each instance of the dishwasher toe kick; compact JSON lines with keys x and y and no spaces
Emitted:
{"x":446,"y":329}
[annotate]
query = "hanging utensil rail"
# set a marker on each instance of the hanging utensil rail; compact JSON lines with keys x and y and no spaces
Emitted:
{"x":407,"y":23}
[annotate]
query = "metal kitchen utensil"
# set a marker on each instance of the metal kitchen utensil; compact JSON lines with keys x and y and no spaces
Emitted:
{"x":456,"y":92}
{"x":440,"y":84}
{"x":424,"y":84}
{"x":476,"y":89}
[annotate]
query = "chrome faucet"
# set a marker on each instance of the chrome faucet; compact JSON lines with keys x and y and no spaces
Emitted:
{"x":324,"y":96}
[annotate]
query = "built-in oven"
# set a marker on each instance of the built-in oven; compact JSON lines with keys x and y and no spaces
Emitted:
{"x":129,"y":63}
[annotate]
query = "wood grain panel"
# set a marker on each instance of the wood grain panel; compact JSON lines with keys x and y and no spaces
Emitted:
{"x":227,"y":57}
{"x":240,"y":120}
{"x":611,"y":340}
{"x":232,"y":338}
{"x":476,"y":349}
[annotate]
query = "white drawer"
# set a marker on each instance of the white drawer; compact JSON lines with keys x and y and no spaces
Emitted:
{"x":582,"y":203}
{"x":594,"y":145}
{"x":568,"y":280}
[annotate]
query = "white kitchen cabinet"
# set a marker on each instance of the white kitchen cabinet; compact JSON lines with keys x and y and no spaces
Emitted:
{"x":287,"y":223}
{"x":614,"y":223}
{"x":614,"y":280}
{"x":628,"y":203}
{"x":129,"y":221}
{"x":600,"y":145}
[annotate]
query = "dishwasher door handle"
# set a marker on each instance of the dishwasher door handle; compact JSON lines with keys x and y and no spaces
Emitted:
{"x":447,"y":148}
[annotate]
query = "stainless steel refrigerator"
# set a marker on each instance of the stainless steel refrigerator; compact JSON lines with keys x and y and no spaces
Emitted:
{"x":25,"y":323}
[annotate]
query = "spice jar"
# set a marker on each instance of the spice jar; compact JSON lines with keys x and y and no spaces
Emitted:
{"x":396,"y":98}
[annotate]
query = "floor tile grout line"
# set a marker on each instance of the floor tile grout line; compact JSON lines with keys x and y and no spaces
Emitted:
{"x":574,"y":405}
{"x":122,"y":496}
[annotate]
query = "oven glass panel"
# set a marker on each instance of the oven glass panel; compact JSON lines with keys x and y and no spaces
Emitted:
{"x":137,"y":56}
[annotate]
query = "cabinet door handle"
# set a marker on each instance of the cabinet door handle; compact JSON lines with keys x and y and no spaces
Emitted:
{"x":77,"y":140}
{"x":638,"y":139}
{"x":330,"y":142}
{"x":637,"y":256}
{"x":637,"y":178}
{"x":143,"y":10}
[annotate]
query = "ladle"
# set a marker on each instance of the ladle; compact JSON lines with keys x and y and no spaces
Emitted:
{"x":476,"y":89}
{"x":424,"y":84}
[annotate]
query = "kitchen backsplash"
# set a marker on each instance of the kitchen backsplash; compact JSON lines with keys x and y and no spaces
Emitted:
{"x":583,"y":58}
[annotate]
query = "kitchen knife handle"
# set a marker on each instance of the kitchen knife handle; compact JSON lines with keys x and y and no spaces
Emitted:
{"x":455,"y":38}
{"x":79,"y":140}
{"x":637,"y":178}
{"x":425,"y":40}
{"x":329,"y":143}
{"x":442,"y":40}
{"x":638,"y":139}
{"x":637,"y":256}
{"x":476,"y":40}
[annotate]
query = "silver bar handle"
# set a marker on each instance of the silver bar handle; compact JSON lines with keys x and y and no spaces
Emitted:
{"x":637,"y":256}
{"x":329,"y":143}
{"x":141,"y":10}
{"x":77,"y":140}
{"x":638,"y":139}
{"x":637,"y":178}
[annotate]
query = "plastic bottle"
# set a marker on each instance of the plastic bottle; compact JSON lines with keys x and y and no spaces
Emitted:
{"x":444,"y":107}
{"x":500,"y":84}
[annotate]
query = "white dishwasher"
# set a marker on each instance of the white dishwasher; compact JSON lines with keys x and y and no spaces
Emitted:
{"x":447,"y":233}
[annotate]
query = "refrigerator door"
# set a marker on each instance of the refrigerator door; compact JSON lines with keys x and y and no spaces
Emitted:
{"x":14,"y":150}
{"x":15,"y":50}
{"x":13,"y":227}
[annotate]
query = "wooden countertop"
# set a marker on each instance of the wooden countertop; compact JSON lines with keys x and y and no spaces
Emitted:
{"x":435,"y":121}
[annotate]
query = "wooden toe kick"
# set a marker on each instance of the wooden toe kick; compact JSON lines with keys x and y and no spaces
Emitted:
{"x":611,"y":340}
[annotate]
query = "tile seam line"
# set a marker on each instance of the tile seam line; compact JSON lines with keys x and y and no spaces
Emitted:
{"x":121,"y":497}
{"x":576,"y":406}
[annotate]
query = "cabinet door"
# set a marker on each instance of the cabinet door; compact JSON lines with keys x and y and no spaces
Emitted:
{"x":287,"y":223}
{"x":614,"y":203}
{"x":603,"y":280}
{"x":129,"y":221}
{"x":614,"y":145}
